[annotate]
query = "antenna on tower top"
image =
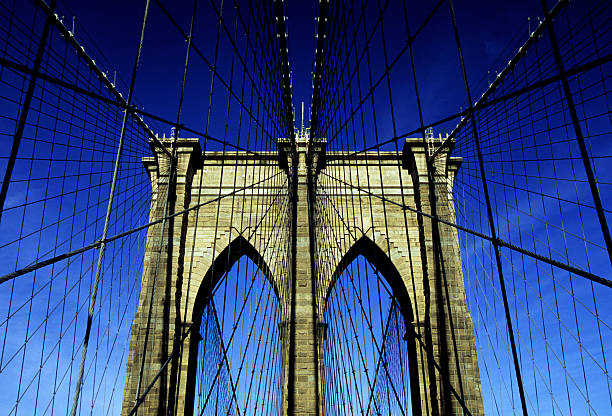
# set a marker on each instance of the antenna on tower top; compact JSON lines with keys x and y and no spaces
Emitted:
{"x":302,"y":130}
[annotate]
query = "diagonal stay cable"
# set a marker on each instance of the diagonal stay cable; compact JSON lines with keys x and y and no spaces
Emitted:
{"x":382,"y":360}
{"x":586,"y":159}
{"x":505,"y":72}
{"x":385,"y":73}
{"x":360,"y":349}
{"x":564,"y":266}
{"x":212,"y":66}
{"x":547,"y":343}
{"x":25,"y":110}
{"x":103,"y":244}
{"x":178,"y":346}
{"x":379,"y":350}
{"x":78,"y":48}
{"x":472,"y":208}
{"x":227,"y":364}
{"x":168,"y":206}
{"x":481,"y":105}
{"x":98,"y":243}
{"x":122,"y":105}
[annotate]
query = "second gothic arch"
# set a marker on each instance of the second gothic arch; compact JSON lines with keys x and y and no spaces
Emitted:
{"x":368,"y":249}
{"x":380,"y":260}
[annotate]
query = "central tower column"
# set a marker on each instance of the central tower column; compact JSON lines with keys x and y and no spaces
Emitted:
{"x":302,"y":391}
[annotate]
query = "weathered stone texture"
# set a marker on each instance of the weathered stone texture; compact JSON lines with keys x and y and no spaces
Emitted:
{"x":255,"y":219}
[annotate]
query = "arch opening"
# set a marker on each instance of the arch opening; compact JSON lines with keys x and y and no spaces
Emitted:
{"x":370,"y":362}
{"x":234,"y":364}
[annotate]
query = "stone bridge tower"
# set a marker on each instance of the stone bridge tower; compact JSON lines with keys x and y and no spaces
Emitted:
{"x":390,"y":223}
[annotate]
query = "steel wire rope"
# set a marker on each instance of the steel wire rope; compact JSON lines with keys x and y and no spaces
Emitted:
{"x":502,"y":243}
{"x":480,"y":105}
{"x":239,"y":100}
{"x":170,"y":357}
{"x":368,"y":321}
{"x":110,"y":203}
{"x":542,"y":303}
{"x":560,"y":360}
{"x":212,"y":66}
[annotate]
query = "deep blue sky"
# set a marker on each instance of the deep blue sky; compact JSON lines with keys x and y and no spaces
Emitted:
{"x":486,"y":29}
{"x":490,"y":31}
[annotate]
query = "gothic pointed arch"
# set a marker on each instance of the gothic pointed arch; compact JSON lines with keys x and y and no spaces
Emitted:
{"x":224,"y":261}
{"x":240,"y":247}
{"x":385,"y":268}
{"x":378,"y":258}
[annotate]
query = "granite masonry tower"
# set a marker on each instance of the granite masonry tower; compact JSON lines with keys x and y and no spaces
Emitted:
{"x":443,"y":363}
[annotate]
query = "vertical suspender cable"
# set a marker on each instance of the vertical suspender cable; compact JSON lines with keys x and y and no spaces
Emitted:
{"x":109,"y":207}
{"x":605,"y":230}
{"x":26,"y":107}
{"x":485,"y":188}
